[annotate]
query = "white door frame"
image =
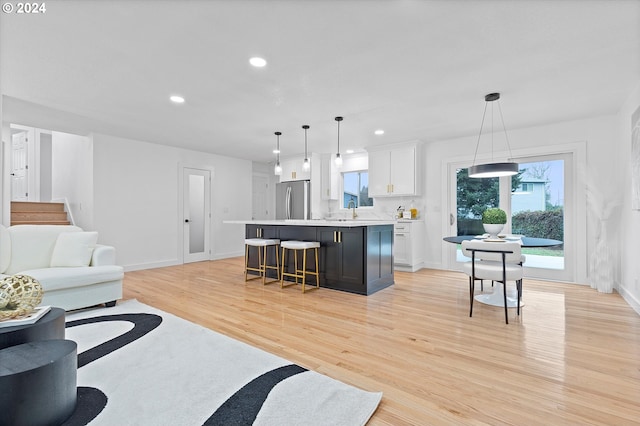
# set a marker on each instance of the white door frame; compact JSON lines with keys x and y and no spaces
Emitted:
{"x":183,"y":227}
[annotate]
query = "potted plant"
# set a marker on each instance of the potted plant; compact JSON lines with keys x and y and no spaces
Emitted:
{"x":493,"y":220}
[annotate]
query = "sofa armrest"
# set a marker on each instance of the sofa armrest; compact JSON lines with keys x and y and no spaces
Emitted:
{"x":103,"y":255}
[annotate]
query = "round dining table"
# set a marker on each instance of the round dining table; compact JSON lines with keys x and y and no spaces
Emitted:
{"x":526,"y":241}
{"x":496,"y":298}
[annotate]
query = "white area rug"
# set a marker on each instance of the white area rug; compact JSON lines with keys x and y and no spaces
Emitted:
{"x":180,"y":373}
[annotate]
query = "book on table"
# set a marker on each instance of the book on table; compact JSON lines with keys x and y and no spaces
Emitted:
{"x":32,"y":318}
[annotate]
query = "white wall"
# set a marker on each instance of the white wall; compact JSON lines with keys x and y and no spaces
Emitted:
{"x":44,"y":159}
{"x":72,"y":175}
{"x":136,"y":200}
{"x":629,"y":219}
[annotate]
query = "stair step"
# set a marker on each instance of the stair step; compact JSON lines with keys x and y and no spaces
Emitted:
{"x":40,"y":222}
{"x":37,"y":213}
{"x":30,"y":206}
{"x":33,"y":215}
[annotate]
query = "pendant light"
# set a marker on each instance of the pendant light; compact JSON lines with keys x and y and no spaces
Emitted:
{"x":307,"y":164}
{"x":338,"y":159}
{"x":492,"y":169}
{"x":278,"y":168}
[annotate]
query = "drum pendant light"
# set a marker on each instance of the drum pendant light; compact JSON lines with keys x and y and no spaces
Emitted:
{"x":338,"y":159}
{"x":492,"y":169}
{"x":307,"y":164}
{"x":278,"y":168}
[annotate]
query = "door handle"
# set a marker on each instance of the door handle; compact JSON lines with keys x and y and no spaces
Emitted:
{"x":451,"y":219}
{"x":186,"y":221}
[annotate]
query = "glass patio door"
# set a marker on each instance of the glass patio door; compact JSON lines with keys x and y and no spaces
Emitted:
{"x":536,"y":206}
{"x":537,"y":210}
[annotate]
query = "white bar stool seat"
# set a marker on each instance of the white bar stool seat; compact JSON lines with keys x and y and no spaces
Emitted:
{"x":298,"y":273}
{"x":261,"y":244}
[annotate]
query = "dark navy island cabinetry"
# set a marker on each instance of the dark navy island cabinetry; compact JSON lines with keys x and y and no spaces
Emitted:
{"x":353,"y":258}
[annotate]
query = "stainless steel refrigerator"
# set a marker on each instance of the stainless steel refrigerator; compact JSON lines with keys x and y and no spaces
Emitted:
{"x":293,"y":200}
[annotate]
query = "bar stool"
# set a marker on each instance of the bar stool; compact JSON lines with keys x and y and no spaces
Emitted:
{"x":298,"y":246}
{"x":261,"y":244}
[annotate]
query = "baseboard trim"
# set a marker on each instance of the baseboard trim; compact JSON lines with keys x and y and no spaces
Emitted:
{"x":151,"y":265}
{"x":408,"y":268}
{"x":227,"y":255}
{"x":630,"y":299}
{"x":162,"y":264}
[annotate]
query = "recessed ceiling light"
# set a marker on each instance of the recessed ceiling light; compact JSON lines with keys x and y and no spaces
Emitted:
{"x":349,"y":151}
{"x":379,"y":132}
{"x":177,"y":99}
{"x":276,"y":151}
{"x":257,"y":62}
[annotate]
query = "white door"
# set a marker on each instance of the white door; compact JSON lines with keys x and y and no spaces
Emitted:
{"x":19,"y":175}
{"x":196,"y":206}
{"x":259,"y":199}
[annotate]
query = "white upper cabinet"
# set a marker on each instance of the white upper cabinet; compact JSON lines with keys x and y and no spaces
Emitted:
{"x":392,"y":172}
{"x":329,"y":178}
{"x":292,"y":170}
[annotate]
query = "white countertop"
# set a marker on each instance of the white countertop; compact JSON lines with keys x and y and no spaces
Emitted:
{"x":315,"y":222}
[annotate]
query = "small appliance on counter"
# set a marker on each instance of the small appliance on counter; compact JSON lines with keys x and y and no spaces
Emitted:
{"x":412,"y":213}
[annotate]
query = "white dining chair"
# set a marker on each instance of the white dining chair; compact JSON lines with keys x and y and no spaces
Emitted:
{"x":496,"y":261}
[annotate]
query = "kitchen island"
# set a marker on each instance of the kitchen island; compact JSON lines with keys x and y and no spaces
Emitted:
{"x":355,"y":255}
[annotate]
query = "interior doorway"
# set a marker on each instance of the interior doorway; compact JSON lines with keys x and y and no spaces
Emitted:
{"x":21,"y":147}
{"x":196,"y":207}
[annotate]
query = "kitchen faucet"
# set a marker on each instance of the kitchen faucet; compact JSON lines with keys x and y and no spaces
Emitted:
{"x":351,"y":202}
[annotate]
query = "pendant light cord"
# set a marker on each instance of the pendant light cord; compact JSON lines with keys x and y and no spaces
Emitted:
{"x":305,"y":127}
{"x":505,"y":132}
{"x":480,"y":134}
{"x":504,"y":128}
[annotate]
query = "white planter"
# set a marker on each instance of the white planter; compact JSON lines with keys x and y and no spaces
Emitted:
{"x":493,"y":229}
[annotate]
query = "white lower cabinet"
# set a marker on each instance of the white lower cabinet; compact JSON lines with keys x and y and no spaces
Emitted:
{"x":408,"y":245}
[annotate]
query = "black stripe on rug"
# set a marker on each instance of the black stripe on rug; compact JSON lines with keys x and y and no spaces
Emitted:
{"x":91,"y":402}
{"x":243,"y":406}
{"x":142,"y":324}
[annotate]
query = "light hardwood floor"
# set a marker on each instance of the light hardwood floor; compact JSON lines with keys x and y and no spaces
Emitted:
{"x":572,"y":357}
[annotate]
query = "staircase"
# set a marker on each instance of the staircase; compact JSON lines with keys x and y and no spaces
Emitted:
{"x":33,"y":213}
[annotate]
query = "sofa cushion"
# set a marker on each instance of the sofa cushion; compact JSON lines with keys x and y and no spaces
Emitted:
{"x":73,"y":249}
{"x":60,"y":278}
{"x":32,"y":245}
{"x":5,"y":248}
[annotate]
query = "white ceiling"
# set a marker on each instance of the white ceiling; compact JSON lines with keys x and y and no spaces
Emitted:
{"x":417,"y":69}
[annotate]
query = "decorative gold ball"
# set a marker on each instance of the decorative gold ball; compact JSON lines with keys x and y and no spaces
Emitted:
{"x":19,"y":295}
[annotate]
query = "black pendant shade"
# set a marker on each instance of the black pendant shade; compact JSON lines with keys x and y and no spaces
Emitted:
{"x":493,"y":170}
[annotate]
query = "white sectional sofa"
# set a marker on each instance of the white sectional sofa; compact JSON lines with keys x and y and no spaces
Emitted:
{"x":74,"y":271}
